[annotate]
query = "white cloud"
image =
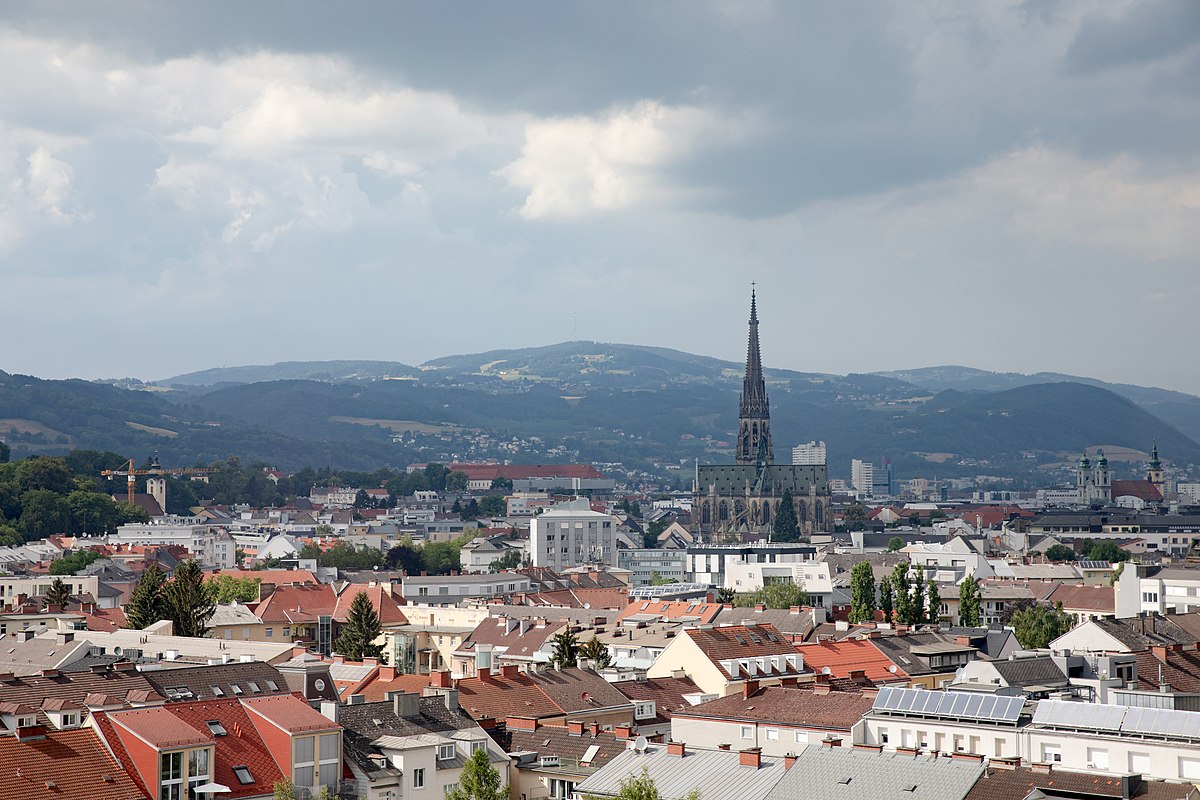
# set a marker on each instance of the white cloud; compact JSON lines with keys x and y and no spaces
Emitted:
{"x":574,"y":165}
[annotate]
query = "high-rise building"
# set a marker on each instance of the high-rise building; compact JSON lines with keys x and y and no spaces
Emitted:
{"x":862,"y":476}
{"x":809,"y":454}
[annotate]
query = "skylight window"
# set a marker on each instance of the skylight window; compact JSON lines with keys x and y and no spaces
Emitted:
{"x":217,"y":691}
{"x":236,"y":689}
{"x":253,"y":687}
{"x":243,"y":775}
{"x":215,"y":727}
{"x":273,"y":686}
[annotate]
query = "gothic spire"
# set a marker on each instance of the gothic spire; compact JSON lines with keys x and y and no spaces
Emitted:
{"x":754,"y":411}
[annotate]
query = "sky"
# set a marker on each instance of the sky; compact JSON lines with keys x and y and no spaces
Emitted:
{"x":1012,"y":186}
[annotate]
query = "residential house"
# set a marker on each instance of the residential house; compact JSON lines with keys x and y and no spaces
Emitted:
{"x":855,"y":659}
{"x":721,"y":659}
{"x":454,"y":589}
{"x":1107,"y":635}
{"x":550,"y":761}
{"x":677,"y":771}
{"x":45,"y":764}
{"x":501,"y":641}
{"x":550,"y":696}
{"x":1027,"y":675}
{"x":657,"y":700}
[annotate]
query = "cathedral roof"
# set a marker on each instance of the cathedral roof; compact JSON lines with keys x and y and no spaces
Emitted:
{"x":732,"y":479}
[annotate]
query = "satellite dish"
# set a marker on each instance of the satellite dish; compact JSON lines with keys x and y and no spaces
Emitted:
{"x":826,"y":671}
{"x":639,"y":744}
{"x":892,"y":669}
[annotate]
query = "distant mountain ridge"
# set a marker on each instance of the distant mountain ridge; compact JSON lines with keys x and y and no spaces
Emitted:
{"x":332,"y":371}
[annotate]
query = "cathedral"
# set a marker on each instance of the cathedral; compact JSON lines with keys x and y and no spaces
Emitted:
{"x":740,"y":501}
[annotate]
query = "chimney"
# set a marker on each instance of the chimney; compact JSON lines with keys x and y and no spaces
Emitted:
{"x":1005,"y":762}
{"x":908,"y":751}
{"x":1160,"y":652}
{"x":521,"y":723}
{"x":831,"y":741}
{"x":406,"y":704}
{"x":858,"y":675}
{"x":788,"y":760}
{"x":48,"y":673}
{"x":748,"y":689}
{"x":594,"y":729}
{"x":441,"y":678}
{"x":723,"y":746}
{"x":387,"y":673}
{"x":1044,"y":767}
{"x":575,"y":727}
{"x":509,"y":670}
{"x":874,"y":748}
{"x":760,"y":607}
{"x":484,"y":673}
{"x":675,"y":748}
{"x":486,"y":722}
{"x":789,"y":680}
{"x":751,"y":757}
{"x":265,"y":590}
{"x":973,"y":757}
{"x":623,"y":731}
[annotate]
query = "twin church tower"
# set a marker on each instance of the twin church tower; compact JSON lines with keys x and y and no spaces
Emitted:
{"x":739,"y":501}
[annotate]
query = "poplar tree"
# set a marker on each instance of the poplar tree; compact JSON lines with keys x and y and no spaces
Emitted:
{"x":886,"y":597}
{"x":903,"y":594}
{"x":862,"y":593}
{"x":917,"y":614}
{"x":969,"y":602}
{"x":933,"y":598}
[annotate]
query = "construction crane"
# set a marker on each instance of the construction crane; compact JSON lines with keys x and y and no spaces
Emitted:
{"x":154,"y":468}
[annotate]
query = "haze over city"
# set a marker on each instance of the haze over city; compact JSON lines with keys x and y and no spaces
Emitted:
{"x":1009,"y":186}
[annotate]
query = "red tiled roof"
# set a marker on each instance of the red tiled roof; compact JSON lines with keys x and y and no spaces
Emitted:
{"x":1143,"y":490}
{"x":289,"y":712}
{"x":1101,"y":599}
{"x":242,"y":746}
{"x":1181,"y":670}
{"x":64,"y":765}
{"x":289,"y":605}
{"x":157,"y":726}
{"x":674,"y":609}
{"x":500,"y":697}
{"x":850,"y":654}
{"x":376,"y":686}
{"x":105,"y":619}
{"x":666,"y":693}
{"x":796,"y":706}
{"x":386,"y":605}
{"x":738,"y":641}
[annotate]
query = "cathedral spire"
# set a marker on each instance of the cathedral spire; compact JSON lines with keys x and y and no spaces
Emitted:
{"x":754,"y":412}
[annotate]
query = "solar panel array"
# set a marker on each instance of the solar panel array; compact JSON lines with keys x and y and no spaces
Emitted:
{"x":949,"y":705}
{"x":1163,"y":722}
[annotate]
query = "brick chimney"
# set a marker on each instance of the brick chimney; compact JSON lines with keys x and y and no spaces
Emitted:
{"x":1160,"y":652}
{"x":623,"y":731}
{"x":1005,"y":762}
{"x":575,"y":727}
{"x":831,"y":741}
{"x":908,"y":751}
{"x":484,"y":673}
{"x":788,"y":760}
{"x":724,"y":746}
{"x":751,"y":757}
{"x":509,"y":670}
{"x":974,"y":757}
{"x":594,"y":729}
{"x":387,"y":673}
{"x":1044,"y":767}
{"x":749,"y":688}
{"x":521,"y":723}
{"x":874,"y":748}
{"x":441,"y":678}
{"x":676,"y":749}
{"x":821,"y":685}
{"x":858,"y":675}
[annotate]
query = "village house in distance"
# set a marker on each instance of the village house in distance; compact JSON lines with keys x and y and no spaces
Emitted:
{"x":741,"y":500}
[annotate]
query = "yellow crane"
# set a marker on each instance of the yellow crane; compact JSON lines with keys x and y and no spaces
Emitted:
{"x":155,"y":468}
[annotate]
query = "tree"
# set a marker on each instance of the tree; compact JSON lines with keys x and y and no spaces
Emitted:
{"x":284,"y":790}
{"x":887,"y":597}
{"x":1060,"y":552}
{"x":147,"y":604}
{"x":44,"y":513}
{"x":228,"y":589}
{"x":71,"y":563}
{"x":470,"y":511}
{"x":902,"y":598}
{"x":501,"y":484}
{"x":895,"y":543}
{"x":855,"y":517}
{"x":566,"y":648}
{"x":59,"y":594}
{"x":1100,"y":551}
{"x":774,"y":595}
{"x":725,"y":596}
{"x":596,"y":651}
{"x":862,"y":593}
{"x":361,"y":630}
{"x":493,"y":505}
{"x":641,"y":787}
{"x":659,"y":580}
{"x":653,"y":531}
{"x":969,"y":602}
{"x":1037,"y":626}
{"x":510,"y":560}
{"x":457,"y":481}
{"x":786,"y":526}
{"x":918,"y":596}
{"x":933,"y":609}
{"x":478,"y":780}
{"x":187,"y":601}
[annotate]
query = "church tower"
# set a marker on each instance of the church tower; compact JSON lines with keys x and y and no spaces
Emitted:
{"x":754,"y":412}
{"x":1154,"y":473}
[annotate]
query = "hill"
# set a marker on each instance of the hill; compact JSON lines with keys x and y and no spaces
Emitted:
{"x":332,"y":371}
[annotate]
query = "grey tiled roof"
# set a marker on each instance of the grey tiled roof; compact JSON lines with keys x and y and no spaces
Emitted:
{"x":715,"y":774}
{"x":366,"y":722}
{"x":200,"y":680}
{"x":1040,"y":671}
{"x":849,"y":774}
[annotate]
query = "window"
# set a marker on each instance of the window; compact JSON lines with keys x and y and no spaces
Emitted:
{"x":304,"y":766}
{"x":253,"y":687}
{"x":747,"y":731}
{"x":772,"y":735}
{"x":561,"y":789}
{"x":243,"y":775}
{"x":273,"y":686}
{"x":329,"y":760}
{"x":883,"y":736}
{"x":198,"y":771}
{"x":270,"y":633}
{"x":287,"y":633}
{"x":215,"y":727}
{"x":422,"y":591}
{"x":418,"y":776}
{"x":801,"y":737}
{"x":170,"y":776}
{"x":448,"y":788}
{"x":217,"y":691}
{"x":1052,"y":753}
{"x":69,"y":720}
{"x":236,"y":689}
{"x":477,"y":746}
{"x":445,"y":752}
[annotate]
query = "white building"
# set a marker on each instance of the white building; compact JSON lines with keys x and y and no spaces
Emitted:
{"x":812,"y":576}
{"x":571,"y":534}
{"x":644,"y":564}
{"x":711,"y":563}
{"x":949,"y":562}
{"x":809,"y":454}
{"x":862,"y":476}
{"x":214,"y":548}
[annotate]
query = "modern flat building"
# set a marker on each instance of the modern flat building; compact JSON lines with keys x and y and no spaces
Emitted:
{"x":709,"y":564}
{"x":862,"y":476}
{"x":571,"y":534}
{"x":645,"y":564}
{"x":809,"y":454}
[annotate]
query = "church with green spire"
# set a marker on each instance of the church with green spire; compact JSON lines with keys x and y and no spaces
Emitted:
{"x":740,"y":501}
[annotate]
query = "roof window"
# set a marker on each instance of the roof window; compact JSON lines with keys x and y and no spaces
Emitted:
{"x":243,"y":775}
{"x":215,"y":727}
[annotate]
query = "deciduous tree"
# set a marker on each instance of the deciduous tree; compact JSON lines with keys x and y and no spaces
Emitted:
{"x":862,"y":593}
{"x":1037,"y":626}
{"x":479,"y":780}
{"x":969,"y":602}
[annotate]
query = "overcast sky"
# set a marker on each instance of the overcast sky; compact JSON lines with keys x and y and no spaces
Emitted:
{"x":1011,"y":186}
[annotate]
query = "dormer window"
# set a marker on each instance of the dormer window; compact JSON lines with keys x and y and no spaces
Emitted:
{"x":26,"y":722}
{"x":445,"y":752}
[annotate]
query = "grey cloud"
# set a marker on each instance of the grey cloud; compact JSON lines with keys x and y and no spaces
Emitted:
{"x":1147,"y":31}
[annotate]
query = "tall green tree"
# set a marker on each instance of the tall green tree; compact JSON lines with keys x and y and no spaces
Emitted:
{"x":566,"y":648}
{"x":44,"y":513}
{"x":933,"y":600}
{"x":969,"y":602}
{"x":786,"y":527}
{"x":71,"y":563}
{"x":918,"y":596}
{"x":479,"y":780}
{"x":784,"y":594}
{"x":228,"y":589}
{"x":596,"y":651}
{"x":361,"y":630}
{"x":59,"y":594}
{"x":862,"y":593}
{"x":902,"y":593}
{"x":188,"y":603}
{"x":1037,"y":626}
{"x":1107,"y":551}
{"x":887,"y":598}
{"x":1060,"y":552}
{"x":148,"y":603}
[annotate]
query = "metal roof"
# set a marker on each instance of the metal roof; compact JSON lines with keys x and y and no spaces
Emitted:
{"x":1163,"y":723}
{"x":849,"y":774}
{"x":715,"y":774}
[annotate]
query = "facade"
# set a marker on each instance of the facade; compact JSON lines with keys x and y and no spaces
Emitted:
{"x":449,"y":590}
{"x":215,"y":549}
{"x":645,"y":564}
{"x":743,"y":498}
{"x":722,"y":660}
{"x":809,"y":454}
{"x":862,"y":477}
{"x":571,"y":534}
{"x":710,"y":564}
